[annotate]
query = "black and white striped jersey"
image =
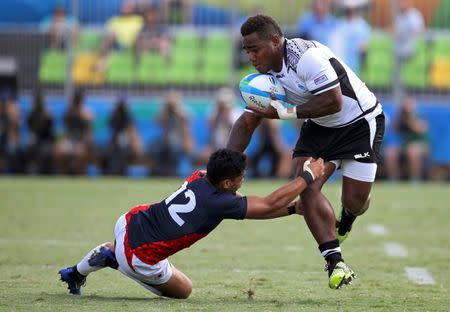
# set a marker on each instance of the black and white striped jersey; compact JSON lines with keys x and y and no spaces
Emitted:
{"x":310,"y":68}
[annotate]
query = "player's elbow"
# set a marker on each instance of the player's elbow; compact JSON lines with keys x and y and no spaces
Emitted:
{"x":335,"y":105}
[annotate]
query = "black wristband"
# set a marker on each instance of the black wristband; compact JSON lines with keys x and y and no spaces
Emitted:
{"x":291,"y":209}
{"x":307,"y":177}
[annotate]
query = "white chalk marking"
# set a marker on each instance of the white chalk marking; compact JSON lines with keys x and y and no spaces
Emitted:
{"x":377,"y":229}
{"x":419,"y":276}
{"x":395,"y":250}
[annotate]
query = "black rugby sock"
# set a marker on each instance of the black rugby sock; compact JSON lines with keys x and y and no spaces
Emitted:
{"x":331,"y":251}
{"x":345,"y":225}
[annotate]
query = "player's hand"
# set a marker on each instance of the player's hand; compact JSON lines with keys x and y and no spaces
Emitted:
{"x":282,"y":112}
{"x":315,"y":167}
{"x":197,"y":174}
{"x":269,"y":112}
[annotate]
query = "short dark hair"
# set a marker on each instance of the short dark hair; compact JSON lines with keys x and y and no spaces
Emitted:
{"x":263,"y":25}
{"x":225,"y":164}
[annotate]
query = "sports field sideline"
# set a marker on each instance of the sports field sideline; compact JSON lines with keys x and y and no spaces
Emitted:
{"x":399,"y":249}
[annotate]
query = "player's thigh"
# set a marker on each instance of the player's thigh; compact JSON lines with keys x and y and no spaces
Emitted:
{"x":147,"y":275}
{"x":178,"y":286}
{"x":330,"y":167}
{"x":357,"y":182}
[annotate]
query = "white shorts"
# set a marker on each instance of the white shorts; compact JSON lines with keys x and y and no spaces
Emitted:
{"x":356,"y":170}
{"x":143,"y":273}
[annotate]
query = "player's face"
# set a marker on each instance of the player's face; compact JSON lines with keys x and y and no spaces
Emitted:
{"x":232,"y":185}
{"x":264,"y":54}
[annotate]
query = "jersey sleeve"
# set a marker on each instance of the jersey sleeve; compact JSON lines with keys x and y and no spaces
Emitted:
{"x":233,"y":207}
{"x":316,"y":71}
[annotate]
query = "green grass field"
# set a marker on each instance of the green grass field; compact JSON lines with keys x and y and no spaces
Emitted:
{"x":242,"y":266}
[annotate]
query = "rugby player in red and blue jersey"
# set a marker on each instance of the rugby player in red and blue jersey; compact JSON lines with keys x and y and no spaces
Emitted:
{"x":147,"y":235}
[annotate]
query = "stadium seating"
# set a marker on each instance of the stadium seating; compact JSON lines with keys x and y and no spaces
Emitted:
{"x":440,"y":66}
{"x":378,"y":68}
{"x":53,"y":66}
{"x":121,"y":68}
{"x":440,"y":73}
{"x":83,"y":72}
{"x":186,"y":58}
{"x":89,"y":40}
{"x":414,"y":73}
{"x":152,"y":69}
{"x":217,"y":59}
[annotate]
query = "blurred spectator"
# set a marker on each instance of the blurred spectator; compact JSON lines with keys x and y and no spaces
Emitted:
{"x":350,"y":38}
{"x":220,"y":123}
{"x":409,"y":23}
{"x":121,"y":32}
{"x":40,"y":147}
{"x":12,"y":157}
{"x":73,"y":150}
{"x":125,"y":146}
{"x":271,"y":147}
{"x":153,"y":36}
{"x":59,"y":27}
{"x":412,"y":132}
{"x":318,"y":23}
{"x":177,"y":12}
{"x":172,"y":12}
{"x":176,"y":142}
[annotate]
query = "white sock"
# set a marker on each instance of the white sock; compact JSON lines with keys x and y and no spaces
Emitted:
{"x":83,"y":266}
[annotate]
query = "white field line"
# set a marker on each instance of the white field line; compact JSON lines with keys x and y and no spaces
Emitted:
{"x":419,"y":276}
{"x":395,"y":250}
{"x":377,"y":229}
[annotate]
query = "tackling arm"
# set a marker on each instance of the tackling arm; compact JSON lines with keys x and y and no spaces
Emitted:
{"x":242,"y":131}
{"x":277,"y":203}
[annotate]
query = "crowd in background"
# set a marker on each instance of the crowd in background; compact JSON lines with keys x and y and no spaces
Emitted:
{"x":73,"y":151}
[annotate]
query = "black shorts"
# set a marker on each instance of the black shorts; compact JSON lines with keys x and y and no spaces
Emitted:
{"x":348,"y":142}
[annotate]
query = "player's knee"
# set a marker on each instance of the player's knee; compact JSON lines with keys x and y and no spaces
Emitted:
{"x":187,"y":292}
{"x":310,"y":193}
{"x":184,"y":292}
{"x":356,"y":203}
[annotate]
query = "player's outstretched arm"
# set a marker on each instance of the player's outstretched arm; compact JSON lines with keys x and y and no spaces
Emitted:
{"x":279,"y":203}
{"x":242,"y":131}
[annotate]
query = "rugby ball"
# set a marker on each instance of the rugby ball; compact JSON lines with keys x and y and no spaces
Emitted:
{"x":256,"y":88}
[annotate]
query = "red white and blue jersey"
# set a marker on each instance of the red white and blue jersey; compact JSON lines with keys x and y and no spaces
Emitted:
{"x":154,"y":232}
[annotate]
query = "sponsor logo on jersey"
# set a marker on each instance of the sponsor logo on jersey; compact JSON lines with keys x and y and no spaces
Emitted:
{"x":359,"y":156}
{"x":320,"y":79}
{"x":301,"y":87}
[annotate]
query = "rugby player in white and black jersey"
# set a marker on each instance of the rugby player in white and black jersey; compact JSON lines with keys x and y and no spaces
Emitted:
{"x":344,"y":125}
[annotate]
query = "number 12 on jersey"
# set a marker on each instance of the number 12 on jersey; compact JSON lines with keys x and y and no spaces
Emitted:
{"x":174,"y":209}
